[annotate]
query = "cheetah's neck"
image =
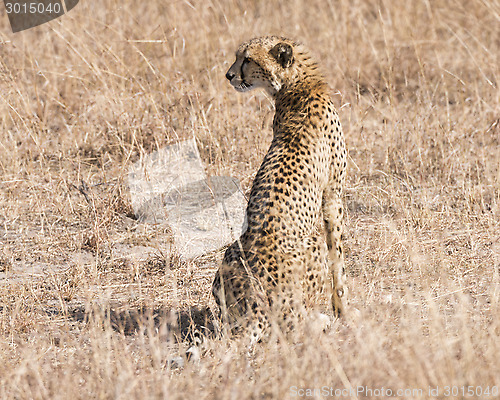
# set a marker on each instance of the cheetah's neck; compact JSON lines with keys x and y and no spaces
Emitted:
{"x":294,"y":106}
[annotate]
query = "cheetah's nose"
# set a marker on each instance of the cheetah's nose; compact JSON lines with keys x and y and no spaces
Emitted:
{"x":229,"y":75}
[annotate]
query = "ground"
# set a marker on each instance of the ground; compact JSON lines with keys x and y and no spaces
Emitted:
{"x":83,"y":96}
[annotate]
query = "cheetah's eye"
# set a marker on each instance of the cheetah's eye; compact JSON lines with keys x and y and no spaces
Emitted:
{"x":246,"y":60}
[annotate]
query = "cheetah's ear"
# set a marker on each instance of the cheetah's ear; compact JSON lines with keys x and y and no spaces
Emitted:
{"x":283,"y":53}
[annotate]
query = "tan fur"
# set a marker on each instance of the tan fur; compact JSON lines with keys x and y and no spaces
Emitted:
{"x":281,"y":265}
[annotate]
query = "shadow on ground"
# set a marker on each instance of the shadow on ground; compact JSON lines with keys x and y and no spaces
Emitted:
{"x":180,"y":325}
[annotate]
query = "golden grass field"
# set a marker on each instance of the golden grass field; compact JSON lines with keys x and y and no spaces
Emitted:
{"x":84,"y":96}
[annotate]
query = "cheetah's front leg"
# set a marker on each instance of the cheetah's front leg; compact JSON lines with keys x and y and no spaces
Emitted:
{"x":333,"y":216}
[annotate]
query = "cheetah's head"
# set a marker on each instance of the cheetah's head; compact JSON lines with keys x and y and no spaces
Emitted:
{"x":265,"y":62}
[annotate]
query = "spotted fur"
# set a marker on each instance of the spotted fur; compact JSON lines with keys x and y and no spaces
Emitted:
{"x":282,"y":264}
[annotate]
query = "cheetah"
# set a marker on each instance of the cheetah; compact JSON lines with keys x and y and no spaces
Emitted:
{"x":282,"y":262}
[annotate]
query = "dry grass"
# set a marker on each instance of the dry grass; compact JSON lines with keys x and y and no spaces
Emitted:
{"x":83,"y":97}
